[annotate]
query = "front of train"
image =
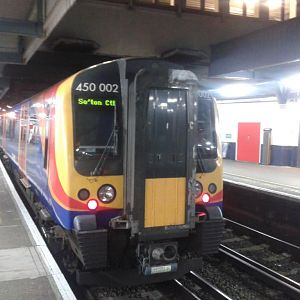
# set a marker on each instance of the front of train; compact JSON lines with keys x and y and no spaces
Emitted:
{"x":209,"y":166}
{"x":135,"y":126}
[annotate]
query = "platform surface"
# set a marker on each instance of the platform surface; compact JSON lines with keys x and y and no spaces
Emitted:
{"x":277,"y":179}
{"x":27,"y":269}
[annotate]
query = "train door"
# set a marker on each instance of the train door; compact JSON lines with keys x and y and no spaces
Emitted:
{"x":23,"y":136}
{"x":248,"y":143}
{"x":165,"y":181}
{"x":160,"y":161}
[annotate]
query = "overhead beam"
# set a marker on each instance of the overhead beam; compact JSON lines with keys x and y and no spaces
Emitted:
{"x":25,"y":27}
{"x":51,"y":21}
{"x":275,"y":45}
{"x":20,"y":27}
{"x":11,"y":57}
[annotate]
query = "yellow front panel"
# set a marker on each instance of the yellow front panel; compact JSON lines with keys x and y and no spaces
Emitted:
{"x":165,"y":201}
{"x":69,"y":178}
{"x":216,"y":177}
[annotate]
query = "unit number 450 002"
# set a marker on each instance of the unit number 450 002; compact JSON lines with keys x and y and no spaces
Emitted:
{"x":101,"y":87}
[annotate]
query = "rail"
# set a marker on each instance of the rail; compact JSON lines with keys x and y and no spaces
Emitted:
{"x":184,"y":292}
{"x":266,"y":274}
{"x":276,"y":242}
{"x":214,"y":291}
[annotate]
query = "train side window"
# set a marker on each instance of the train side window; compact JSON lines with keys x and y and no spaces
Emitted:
{"x":10,"y":128}
{"x":46,"y":139}
{"x":23,"y":123}
{"x":207,"y":140}
{"x":7,"y":128}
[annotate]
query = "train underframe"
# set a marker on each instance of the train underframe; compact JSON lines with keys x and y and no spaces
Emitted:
{"x":112,"y":257}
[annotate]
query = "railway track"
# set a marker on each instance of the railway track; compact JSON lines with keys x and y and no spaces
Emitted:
{"x":238,"y":230}
{"x":250,"y":265}
{"x":276,"y":259}
{"x":173,"y":289}
{"x":235,"y":273}
{"x":203,"y":289}
{"x":272,"y":260}
{"x":267,"y":275}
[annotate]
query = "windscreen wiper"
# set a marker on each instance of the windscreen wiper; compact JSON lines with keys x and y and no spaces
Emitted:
{"x":104,"y":155}
{"x":113,"y":137}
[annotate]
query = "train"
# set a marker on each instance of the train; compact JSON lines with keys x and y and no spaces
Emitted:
{"x":121,"y":164}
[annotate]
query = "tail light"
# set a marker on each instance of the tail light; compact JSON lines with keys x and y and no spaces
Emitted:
{"x":92,"y":204}
{"x":205,"y":198}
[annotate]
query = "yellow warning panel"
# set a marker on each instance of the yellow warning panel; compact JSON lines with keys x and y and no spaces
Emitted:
{"x":165,"y":201}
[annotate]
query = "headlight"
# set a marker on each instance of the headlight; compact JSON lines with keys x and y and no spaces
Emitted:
{"x":106,"y":193}
{"x":198,"y":189}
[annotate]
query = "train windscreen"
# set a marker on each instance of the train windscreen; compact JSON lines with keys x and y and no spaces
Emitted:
{"x":95,"y":137}
{"x":206,"y":137}
{"x":167,"y":133}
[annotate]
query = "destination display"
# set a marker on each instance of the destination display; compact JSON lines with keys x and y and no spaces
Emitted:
{"x":96,"y":102}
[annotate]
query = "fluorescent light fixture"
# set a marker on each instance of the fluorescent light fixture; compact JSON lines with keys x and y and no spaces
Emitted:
{"x":236,"y":90}
{"x":11,"y":115}
{"x":250,"y":100}
{"x":163,"y":105}
{"x":273,"y":4}
{"x":8,"y":106}
{"x":172,"y":100}
{"x":251,"y":2}
{"x":292,"y":82}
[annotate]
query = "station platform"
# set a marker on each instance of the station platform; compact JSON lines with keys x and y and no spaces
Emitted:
{"x":284,"y":181}
{"x":27,"y":268}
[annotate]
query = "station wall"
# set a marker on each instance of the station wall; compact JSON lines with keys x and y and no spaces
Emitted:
{"x":282,"y":119}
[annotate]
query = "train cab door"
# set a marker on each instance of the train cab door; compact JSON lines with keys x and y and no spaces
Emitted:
{"x":165,"y":180}
{"x":159,"y":153}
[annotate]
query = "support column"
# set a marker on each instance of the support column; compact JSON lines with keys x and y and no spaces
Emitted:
{"x":263,"y":10}
{"x":224,"y":6}
{"x":298,"y":8}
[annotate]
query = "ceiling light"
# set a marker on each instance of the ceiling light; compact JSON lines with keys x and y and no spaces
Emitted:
{"x":292,"y":82}
{"x":273,"y":4}
{"x":236,"y":90}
